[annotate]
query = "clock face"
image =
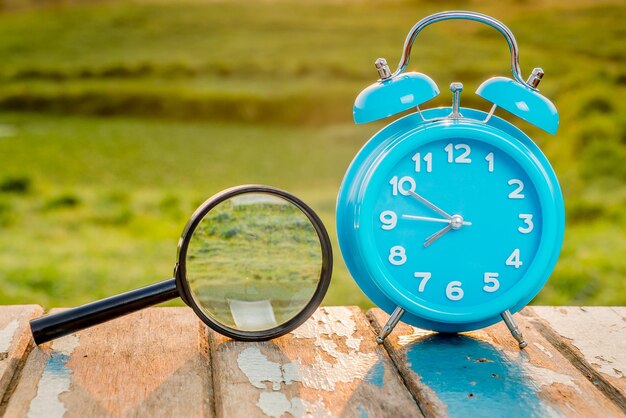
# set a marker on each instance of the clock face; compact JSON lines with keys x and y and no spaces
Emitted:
{"x":453,"y":225}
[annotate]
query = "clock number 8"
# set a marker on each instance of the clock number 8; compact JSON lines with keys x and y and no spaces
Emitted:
{"x":397,"y":255}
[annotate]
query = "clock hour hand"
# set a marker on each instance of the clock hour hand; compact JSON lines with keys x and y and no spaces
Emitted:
{"x":429,"y":204}
{"x":434,"y":237}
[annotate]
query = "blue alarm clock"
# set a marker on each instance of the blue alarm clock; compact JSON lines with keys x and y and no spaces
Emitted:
{"x":451,"y":218}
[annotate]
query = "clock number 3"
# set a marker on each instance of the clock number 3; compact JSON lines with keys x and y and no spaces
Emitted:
{"x":528,"y":220}
{"x":397,"y":255}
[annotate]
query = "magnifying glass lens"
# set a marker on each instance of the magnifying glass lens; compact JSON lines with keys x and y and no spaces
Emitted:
{"x":254,"y":262}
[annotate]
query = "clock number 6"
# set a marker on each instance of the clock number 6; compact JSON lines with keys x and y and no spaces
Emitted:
{"x":397,"y":255}
{"x":454,"y":291}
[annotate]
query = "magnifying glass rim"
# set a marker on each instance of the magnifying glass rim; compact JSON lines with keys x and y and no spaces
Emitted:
{"x":322,"y":286}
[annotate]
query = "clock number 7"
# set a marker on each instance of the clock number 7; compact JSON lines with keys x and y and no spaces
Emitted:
{"x":425,"y":278}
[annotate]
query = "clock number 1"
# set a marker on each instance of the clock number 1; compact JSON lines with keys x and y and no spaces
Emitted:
{"x":489,"y":159}
{"x":428,"y":159}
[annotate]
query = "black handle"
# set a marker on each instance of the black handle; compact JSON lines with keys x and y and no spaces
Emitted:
{"x":57,"y":325}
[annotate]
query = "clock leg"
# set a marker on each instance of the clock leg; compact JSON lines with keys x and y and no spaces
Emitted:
{"x":512,"y":326}
{"x":390,"y":325}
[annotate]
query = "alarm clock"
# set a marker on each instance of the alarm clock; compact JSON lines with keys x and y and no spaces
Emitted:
{"x":451,"y":218}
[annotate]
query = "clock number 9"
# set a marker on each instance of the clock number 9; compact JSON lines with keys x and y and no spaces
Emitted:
{"x":454,"y":291}
{"x":389,"y":219}
{"x":400,"y":185}
{"x":397,"y":255}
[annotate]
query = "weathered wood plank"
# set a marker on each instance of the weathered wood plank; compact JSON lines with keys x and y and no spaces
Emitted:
{"x":330,"y":366}
{"x":151,"y":363}
{"x":594,"y":340}
{"x":484,"y":373}
{"x":15,"y":339}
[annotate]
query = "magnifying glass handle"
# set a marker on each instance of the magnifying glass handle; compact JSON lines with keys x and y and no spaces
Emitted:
{"x":57,"y":325}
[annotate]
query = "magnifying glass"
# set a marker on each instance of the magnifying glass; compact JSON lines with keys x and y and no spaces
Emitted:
{"x":254,"y":262}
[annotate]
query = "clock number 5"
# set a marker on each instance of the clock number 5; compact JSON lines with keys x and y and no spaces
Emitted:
{"x":491,"y":282}
{"x":397,"y":255}
{"x":425,"y":278}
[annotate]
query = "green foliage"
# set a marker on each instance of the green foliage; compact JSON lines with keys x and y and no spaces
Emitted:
{"x":121,"y":117}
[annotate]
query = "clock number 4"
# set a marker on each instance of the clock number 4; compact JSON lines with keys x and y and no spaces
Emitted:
{"x":397,"y":255}
{"x":425,"y":278}
{"x":461,"y":159}
{"x":491,"y":282}
{"x":428,"y":159}
{"x":514,"y":259}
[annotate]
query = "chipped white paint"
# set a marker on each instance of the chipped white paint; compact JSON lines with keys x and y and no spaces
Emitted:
{"x":603,"y":346}
{"x":260,"y":370}
{"x":7,"y":334}
{"x":545,"y":377}
{"x":349,"y":365}
{"x":276,"y":404}
{"x":417,"y":334}
{"x":56,"y":379}
{"x":543,"y":349}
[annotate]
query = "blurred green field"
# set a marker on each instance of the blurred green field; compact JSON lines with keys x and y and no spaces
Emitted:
{"x":118,"y":118}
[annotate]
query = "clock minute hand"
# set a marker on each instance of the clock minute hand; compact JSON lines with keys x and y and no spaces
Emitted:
{"x":429,"y":204}
{"x":434,"y":237}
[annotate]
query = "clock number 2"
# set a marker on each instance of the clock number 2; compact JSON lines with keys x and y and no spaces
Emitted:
{"x":517,"y":193}
{"x":397,"y":255}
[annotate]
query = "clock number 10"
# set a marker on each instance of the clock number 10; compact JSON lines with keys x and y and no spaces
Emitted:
{"x":405,"y":185}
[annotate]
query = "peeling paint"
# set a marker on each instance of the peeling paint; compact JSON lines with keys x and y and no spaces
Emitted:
{"x":276,"y":404}
{"x":543,"y":349}
{"x":417,"y":334}
{"x":260,"y":370}
{"x":603,"y":347}
{"x":56,"y":379}
{"x":7,"y":334}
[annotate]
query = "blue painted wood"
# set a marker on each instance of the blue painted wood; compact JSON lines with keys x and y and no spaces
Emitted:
{"x":475,"y":379}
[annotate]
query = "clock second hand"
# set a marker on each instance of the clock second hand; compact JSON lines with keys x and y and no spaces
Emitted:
{"x":427,"y":218}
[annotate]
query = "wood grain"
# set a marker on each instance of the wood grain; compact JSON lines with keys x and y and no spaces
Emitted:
{"x":593,"y":339}
{"x":15,"y":341}
{"x":484,"y":373}
{"x":330,"y":366}
{"x":151,"y":363}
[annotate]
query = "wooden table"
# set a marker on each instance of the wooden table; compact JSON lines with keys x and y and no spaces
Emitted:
{"x":165,"y":362}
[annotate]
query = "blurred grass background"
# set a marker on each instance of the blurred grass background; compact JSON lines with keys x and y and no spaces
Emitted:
{"x":118,"y":117}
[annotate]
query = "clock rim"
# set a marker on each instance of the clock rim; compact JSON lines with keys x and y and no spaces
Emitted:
{"x":354,"y":183}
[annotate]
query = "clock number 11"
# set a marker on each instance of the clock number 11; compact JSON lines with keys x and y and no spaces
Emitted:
{"x":428,"y":159}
